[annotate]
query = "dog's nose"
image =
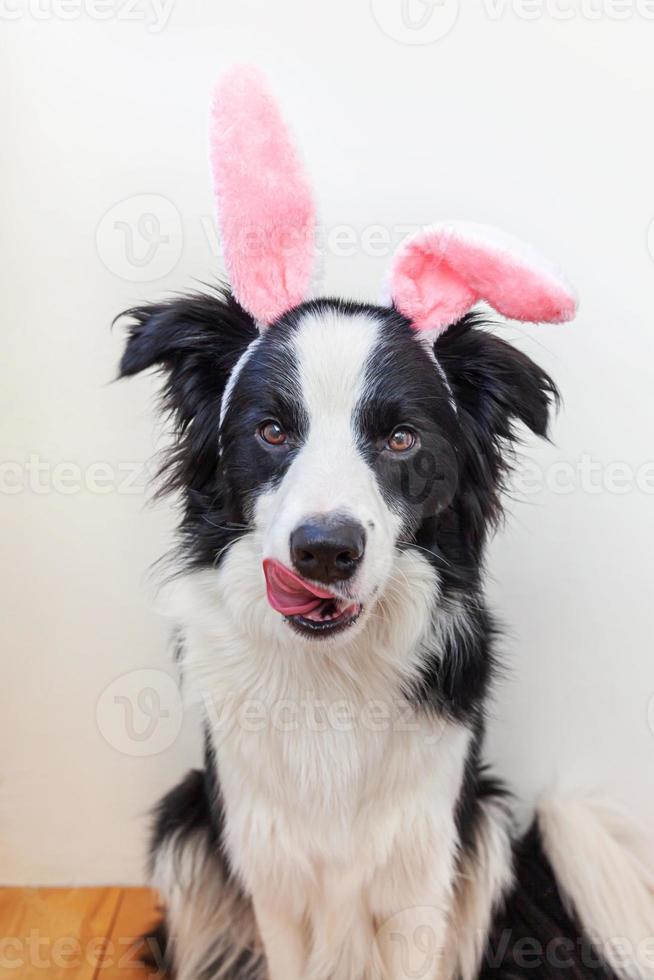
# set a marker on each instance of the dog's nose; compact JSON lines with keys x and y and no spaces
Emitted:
{"x":328,"y":549}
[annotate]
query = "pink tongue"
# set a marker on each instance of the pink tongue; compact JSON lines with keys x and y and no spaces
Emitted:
{"x":288,"y":593}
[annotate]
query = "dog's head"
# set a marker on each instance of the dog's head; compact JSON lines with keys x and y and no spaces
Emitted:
{"x":340,"y":440}
{"x":338,"y":435}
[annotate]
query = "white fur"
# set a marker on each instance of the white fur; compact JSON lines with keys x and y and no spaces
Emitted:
{"x":206,"y":917}
{"x":329,"y":473}
{"x":484,"y":879}
{"x":339,"y":795}
{"x":234,"y":376}
{"x":339,"y":799}
{"x":603,"y":867}
{"x":427,"y":338}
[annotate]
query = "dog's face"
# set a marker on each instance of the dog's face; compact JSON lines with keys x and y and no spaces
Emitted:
{"x":338,"y":438}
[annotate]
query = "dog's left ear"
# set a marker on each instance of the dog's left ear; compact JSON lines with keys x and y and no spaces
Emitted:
{"x":495,"y":388}
{"x":493,"y":384}
{"x":438,"y":274}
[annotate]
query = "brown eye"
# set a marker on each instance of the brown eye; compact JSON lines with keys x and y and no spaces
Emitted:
{"x":401,"y":441}
{"x":272,"y":433}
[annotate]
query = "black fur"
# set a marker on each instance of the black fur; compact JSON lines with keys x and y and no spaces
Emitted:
{"x":496,"y":387}
{"x":185,"y":810}
{"x":153,"y":950}
{"x":447,"y":493}
{"x":402,"y":387}
{"x":193,"y":811}
{"x":181,"y":813}
{"x":456,"y":678}
{"x":194,"y":341}
{"x":533,"y":935}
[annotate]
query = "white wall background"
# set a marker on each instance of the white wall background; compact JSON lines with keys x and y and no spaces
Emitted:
{"x":536,"y":117}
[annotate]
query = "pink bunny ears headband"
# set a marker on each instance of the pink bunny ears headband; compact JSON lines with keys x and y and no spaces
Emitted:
{"x":268,"y":225}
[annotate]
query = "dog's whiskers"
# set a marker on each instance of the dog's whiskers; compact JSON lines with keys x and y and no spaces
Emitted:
{"x":428,"y":551}
{"x":229,"y":526}
{"x":225,"y":548}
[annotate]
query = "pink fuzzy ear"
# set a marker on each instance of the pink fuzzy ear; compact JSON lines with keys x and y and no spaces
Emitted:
{"x":439,"y":273}
{"x":265,"y":207}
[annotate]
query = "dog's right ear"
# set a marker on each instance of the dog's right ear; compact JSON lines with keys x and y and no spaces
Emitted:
{"x":195,"y":342}
{"x":202,"y":330}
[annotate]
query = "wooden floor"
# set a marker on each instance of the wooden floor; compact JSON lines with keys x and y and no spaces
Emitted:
{"x":74,"y":933}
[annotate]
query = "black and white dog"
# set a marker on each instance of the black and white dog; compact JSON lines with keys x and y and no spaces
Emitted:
{"x":340,"y":471}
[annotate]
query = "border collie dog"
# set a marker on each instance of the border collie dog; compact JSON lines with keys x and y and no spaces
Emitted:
{"x":340,"y":467}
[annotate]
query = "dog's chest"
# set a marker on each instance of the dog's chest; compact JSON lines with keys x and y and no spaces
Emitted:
{"x":322,"y":762}
{"x":328,"y":777}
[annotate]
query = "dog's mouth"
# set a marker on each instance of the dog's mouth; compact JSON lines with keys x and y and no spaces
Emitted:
{"x":310,"y":609}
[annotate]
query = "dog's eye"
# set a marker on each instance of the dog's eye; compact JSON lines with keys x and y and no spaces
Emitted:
{"x":272,"y":433}
{"x":401,"y":441}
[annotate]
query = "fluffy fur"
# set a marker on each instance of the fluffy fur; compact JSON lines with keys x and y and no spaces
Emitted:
{"x":438,"y":274}
{"x":603,"y":867}
{"x":344,"y":826}
{"x":267,"y":215}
